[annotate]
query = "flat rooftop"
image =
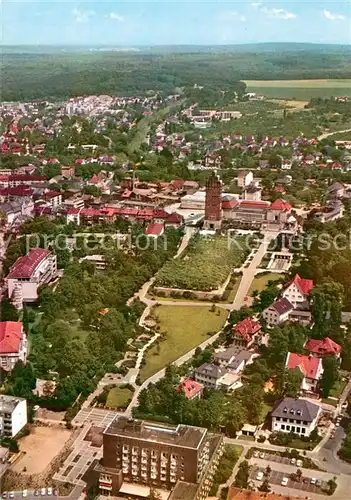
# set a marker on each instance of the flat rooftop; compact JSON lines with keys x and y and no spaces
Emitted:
{"x":171,"y":435}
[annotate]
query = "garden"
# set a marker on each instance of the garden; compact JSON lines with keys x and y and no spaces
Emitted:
{"x":205,"y":266}
{"x":182,"y":328}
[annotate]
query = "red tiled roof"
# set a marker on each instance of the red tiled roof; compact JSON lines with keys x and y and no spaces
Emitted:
{"x":281,"y":205}
{"x":90,"y":212}
{"x":73,"y":211}
{"x":24,"y":177}
{"x":25,"y":266}
{"x":17,"y":191}
{"x":94,"y":179}
{"x":228,"y":204}
{"x":323,"y":346}
{"x":246,"y":329}
{"x":305,"y":286}
{"x":177,"y":183}
{"x":10,"y":336}
{"x":155,"y":229}
{"x":190,"y":388}
{"x":175,"y":218}
{"x":308,"y":365}
{"x":51,"y":194}
{"x":254,"y":204}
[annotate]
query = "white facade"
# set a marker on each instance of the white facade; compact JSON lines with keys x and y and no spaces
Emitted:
{"x":9,"y":360}
{"x":290,"y":424}
{"x":272,"y":317}
{"x":13,"y":415}
{"x":44,"y":273}
{"x":294,"y":295}
{"x":245,"y":180}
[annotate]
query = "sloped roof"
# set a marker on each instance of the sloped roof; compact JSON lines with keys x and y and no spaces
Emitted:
{"x":308,"y":365}
{"x":301,"y":409}
{"x":323,"y":346}
{"x":282,"y":306}
{"x":246,"y":328}
{"x":281,"y":205}
{"x":304,"y":285}
{"x":190,"y":388}
{"x":10,"y":336}
{"x":155,"y":229}
{"x":25,"y":266}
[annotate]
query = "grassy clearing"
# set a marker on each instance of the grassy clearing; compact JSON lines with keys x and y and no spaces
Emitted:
{"x":300,"y":89}
{"x":260,"y":282}
{"x":184,"y":327}
{"x":205,"y":266}
{"x":119,"y":397}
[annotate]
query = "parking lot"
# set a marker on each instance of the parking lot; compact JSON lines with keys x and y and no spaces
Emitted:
{"x":271,"y":457}
{"x":276,"y":477}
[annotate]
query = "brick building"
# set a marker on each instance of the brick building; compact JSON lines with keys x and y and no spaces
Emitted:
{"x":138,"y":453}
{"x":213,"y":203}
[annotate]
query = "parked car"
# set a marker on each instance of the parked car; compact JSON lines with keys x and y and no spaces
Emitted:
{"x":345,"y":405}
{"x":285,"y":481}
{"x":299,"y":463}
{"x":318,"y":482}
{"x":313,"y":480}
{"x":293,"y":461}
{"x":55,"y":492}
{"x":12,"y":494}
{"x":262,"y":455}
{"x":255,"y":454}
{"x":305,"y":480}
{"x":24,"y":493}
{"x":36,"y":493}
{"x":43,"y":492}
{"x":259,"y":476}
{"x":4,"y":495}
{"x":49,"y":492}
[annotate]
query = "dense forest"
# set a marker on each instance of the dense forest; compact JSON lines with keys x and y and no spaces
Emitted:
{"x":56,"y":75}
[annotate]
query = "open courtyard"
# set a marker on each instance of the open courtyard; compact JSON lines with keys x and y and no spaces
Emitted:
{"x":40,"y":447}
{"x":182,"y":328}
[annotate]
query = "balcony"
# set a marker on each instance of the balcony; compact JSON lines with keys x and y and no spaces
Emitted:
{"x":144,"y":461}
{"x":173,"y":480}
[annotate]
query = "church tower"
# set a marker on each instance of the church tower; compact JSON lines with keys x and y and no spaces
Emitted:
{"x":213,"y":203}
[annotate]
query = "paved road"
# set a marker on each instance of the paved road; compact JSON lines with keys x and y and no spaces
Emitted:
{"x":250,"y":271}
{"x":328,"y":134}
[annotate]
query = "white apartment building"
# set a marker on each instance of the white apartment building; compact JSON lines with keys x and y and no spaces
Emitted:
{"x":13,"y":415}
{"x":36,"y":268}
{"x":295,"y":415}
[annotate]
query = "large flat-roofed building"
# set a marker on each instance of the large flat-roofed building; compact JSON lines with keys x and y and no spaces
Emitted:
{"x":157,"y":455}
{"x":13,"y":415}
{"x":36,"y":268}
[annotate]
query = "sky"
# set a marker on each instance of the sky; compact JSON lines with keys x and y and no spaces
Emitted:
{"x":134,"y":23}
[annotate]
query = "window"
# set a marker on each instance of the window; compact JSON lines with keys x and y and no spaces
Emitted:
{"x":278,"y":419}
{"x":298,"y":430}
{"x":283,"y":427}
{"x":288,"y":427}
{"x":285,"y":419}
{"x":303,"y":430}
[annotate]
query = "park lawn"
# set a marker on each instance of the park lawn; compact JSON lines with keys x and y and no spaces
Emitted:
{"x":119,"y":397}
{"x":232,"y":293}
{"x":260,"y":282}
{"x":300,"y":89}
{"x":184,"y":327}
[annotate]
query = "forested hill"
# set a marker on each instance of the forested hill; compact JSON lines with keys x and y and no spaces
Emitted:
{"x":51,"y":75}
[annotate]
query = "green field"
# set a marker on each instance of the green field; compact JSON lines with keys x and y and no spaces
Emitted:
{"x":119,"y":397}
{"x":205,"y":266}
{"x":184,"y":327}
{"x":261,"y":281}
{"x":300,"y":89}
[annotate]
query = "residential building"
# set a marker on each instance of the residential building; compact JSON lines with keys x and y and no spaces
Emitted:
{"x":298,"y":290}
{"x":13,"y":344}
{"x":29,"y":272}
{"x":252,"y":192}
{"x":295,"y":415}
{"x":213,"y":203}
{"x":190,"y":388}
{"x":68,"y":171}
{"x":245,"y":178}
{"x":278,"y":312}
{"x":154,"y":230}
{"x":337,"y":190}
{"x":234,"y":358}
{"x":209,"y":375}
{"x":310,"y":367}
{"x":13,"y":415}
{"x":246,"y":332}
{"x":157,"y":455}
{"x":323,"y":347}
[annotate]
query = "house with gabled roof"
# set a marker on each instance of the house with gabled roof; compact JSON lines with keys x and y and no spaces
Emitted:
{"x":323,"y":347}
{"x":246,"y":332}
{"x":278,"y":312}
{"x":13,"y":344}
{"x":310,"y":367}
{"x":190,"y":389}
{"x":298,"y":290}
{"x":295,"y":415}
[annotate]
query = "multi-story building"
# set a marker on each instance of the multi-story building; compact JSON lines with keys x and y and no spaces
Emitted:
{"x":213,"y":203}
{"x":13,"y":415}
{"x":13,"y":344}
{"x":156,"y":455}
{"x":29,"y":272}
{"x":295,"y":415}
{"x":298,"y":290}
